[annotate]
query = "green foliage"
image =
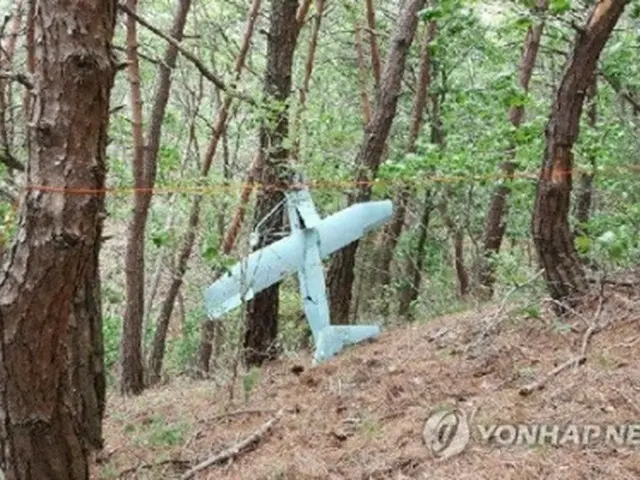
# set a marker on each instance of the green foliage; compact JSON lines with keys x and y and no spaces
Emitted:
{"x":558,"y":7}
{"x":111,"y":330}
{"x":158,"y":432}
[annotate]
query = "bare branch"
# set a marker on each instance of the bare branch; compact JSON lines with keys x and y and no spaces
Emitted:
{"x":21,"y":78}
{"x":10,"y":161}
{"x":235,"y":449}
{"x":206,"y":73}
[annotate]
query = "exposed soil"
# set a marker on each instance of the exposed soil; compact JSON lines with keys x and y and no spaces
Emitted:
{"x":361,"y":415}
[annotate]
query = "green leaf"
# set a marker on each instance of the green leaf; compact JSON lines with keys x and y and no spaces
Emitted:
{"x":210,"y":251}
{"x":583,"y":244}
{"x":160,"y":239}
{"x":431,"y":13}
{"x":558,"y":7}
{"x":523,"y":23}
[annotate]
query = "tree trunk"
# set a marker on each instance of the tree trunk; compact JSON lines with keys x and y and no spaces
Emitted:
{"x":52,"y":392}
{"x":373,"y":42}
{"x":341,"y":275}
{"x":461,"y":269}
{"x":496,"y":220}
{"x":392,"y":230}
{"x":87,"y":352}
{"x":550,"y":226}
{"x":308,"y":70}
{"x":262,"y":310}
{"x":362,"y":69}
{"x":162,"y":324}
{"x":585,"y":190}
{"x":132,"y":369}
{"x":414,"y":267}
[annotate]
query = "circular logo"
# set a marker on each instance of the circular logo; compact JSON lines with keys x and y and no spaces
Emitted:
{"x":446,"y":433}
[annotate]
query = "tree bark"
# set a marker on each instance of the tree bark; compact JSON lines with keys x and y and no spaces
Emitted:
{"x":393,"y":229}
{"x":373,"y":42}
{"x":341,"y":271}
{"x":52,"y":392}
{"x":262,"y":310}
{"x":362,"y":69}
{"x":162,"y":324}
{"x":496,"y":220}
{"x":132,"y":369}
{"x":550,"y":226}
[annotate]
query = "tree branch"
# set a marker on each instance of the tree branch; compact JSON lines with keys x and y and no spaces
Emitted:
{"x":10,"y":161}
{"x":21,"y":78}
{"x":206,"y":73}
{"x":235,"y":449}
{"x":619,"y":89}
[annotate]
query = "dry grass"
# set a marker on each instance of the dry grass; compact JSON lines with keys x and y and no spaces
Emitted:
{"x":361,"y":415}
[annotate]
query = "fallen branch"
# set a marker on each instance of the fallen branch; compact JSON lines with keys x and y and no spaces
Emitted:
{"x":578,"y":360}
{"x":235,"y":449}
{"x":540,"y":384}
{"x":206,"y":73}
{"x":172,"y":461}
{"x":617,"y":283}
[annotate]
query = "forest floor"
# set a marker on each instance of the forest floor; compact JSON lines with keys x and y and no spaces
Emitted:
{"x":361,"y":415}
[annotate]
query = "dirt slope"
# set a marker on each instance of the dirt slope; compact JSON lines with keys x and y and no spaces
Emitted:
{"x":361,"y":415}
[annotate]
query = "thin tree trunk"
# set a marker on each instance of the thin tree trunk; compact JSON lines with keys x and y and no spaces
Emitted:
{"x":550,"y":226}
{"x":341,"y":272}
{"x":461,"y":269}
{"x":208,"y":330}
{"x":157,"y":270}
{"x":373,"y":42}
{"x":362,"y":69}
{"x":301,"y":14}
{"x":496,"y":220}
{"x":262,"y":310}
{"x":52,"y":382}
{"x":392,"y":230}
{"x":308,"y":70}
{"x":585,"y":190}
{"x":132,"y":369}
{"x":414,"y":266}
{"x":162,"y":324}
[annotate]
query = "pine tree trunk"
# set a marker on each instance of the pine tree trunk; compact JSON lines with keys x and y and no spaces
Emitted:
{"x":415,"y":264}
{"x":341,"y":272}
{"x":132,"y":365}
{"x":550,"y":226}
{"x":52,"y":383}
{"x":392,"y":231}
{"x":262,"y":311}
